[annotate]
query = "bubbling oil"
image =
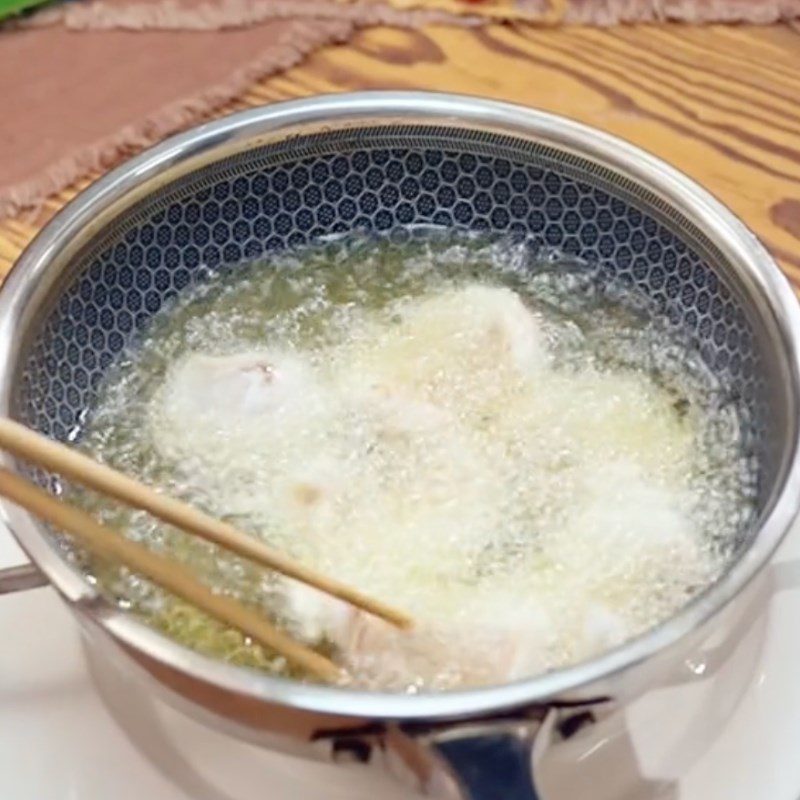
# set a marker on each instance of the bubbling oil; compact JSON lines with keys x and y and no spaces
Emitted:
{"x":529,"y":462}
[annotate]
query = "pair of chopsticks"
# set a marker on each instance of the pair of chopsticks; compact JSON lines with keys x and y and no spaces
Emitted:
{"x":108,"y":544}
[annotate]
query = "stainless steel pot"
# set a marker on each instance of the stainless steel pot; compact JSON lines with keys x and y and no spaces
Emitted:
{"x":270,"y":178}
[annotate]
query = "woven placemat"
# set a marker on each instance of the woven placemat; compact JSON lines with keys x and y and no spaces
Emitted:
{"x":85,"y":84}
{"x":612,"y":12}
{"x":185,"y":14}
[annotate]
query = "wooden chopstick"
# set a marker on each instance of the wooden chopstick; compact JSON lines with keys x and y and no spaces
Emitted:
{"x":108,"y":544}
{"x":38,"y":449}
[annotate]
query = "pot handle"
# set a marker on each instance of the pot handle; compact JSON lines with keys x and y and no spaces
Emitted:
{"x":18,"y":579}
{"x":494,"y":766}
{"x":488,"y":759}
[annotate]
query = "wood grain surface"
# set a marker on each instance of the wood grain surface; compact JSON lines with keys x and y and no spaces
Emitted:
{"x":720,"y":103}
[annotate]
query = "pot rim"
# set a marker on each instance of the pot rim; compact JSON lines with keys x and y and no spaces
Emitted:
{"x":766,"y":283}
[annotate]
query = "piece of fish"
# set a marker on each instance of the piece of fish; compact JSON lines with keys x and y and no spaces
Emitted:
{"x":472,"y":650}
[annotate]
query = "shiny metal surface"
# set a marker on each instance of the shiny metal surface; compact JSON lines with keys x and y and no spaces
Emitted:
{"x":255,"y":703}
{"x":20,"y":579}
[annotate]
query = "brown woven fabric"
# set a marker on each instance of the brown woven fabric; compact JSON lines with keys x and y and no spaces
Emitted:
{"x":611,"y":12}
{"x":225,"y":14}
{"x":76,"y":102}
{"x":215,"y":14}
{"x":84,"y":85}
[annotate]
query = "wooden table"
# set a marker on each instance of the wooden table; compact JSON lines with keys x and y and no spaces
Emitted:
{"x":721,"y":103}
